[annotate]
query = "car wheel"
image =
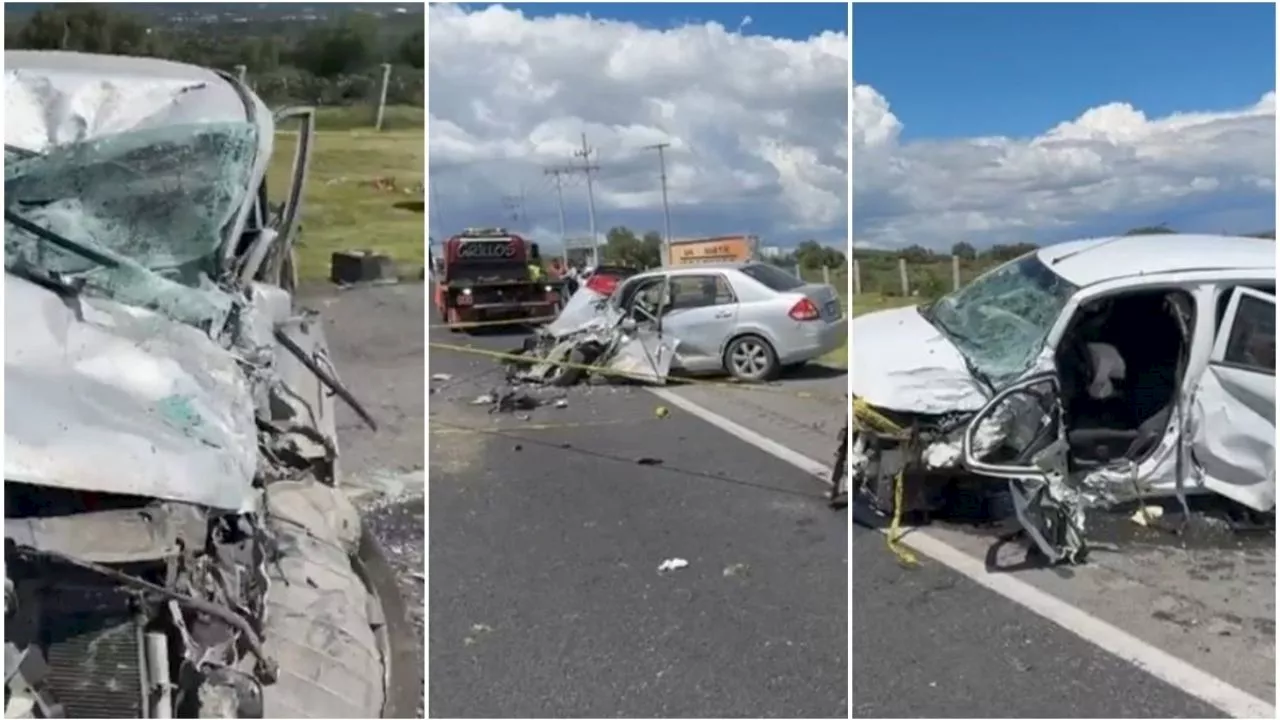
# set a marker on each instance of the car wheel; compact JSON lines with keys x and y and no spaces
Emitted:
{"x":751,"y":358}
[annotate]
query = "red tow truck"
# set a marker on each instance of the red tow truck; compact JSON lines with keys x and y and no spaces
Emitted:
{"x":485,"y":276}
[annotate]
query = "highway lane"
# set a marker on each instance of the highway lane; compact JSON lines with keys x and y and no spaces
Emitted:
{"x":569,"y":506}
{"x":546,"y":537}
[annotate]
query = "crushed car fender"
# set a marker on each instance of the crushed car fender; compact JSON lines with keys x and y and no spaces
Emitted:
{"x":111,"y":398}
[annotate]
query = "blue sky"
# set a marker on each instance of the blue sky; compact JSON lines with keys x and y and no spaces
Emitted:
{"x":755,"y":117}
{"x":1019,"y":69}
{"x":794,"y":21}
{"x":998,"y":123}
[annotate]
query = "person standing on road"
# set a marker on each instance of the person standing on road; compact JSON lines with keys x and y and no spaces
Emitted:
{"x":571,"y":280}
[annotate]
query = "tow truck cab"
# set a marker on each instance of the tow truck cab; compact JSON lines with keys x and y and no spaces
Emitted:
{"x":485,"y":276}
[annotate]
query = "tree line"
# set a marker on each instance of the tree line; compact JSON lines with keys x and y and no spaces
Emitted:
{"x":929,"y":271}
{"x":334,"y":61}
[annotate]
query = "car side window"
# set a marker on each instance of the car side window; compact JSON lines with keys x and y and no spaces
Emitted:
{"x":695,"y":291}
{"x":1224,"y":299}
{"x":1252,"y":343}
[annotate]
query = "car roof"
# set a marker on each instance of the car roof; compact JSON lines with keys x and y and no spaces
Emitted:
{"x":53,"y":97}
{"x":696,"y":268}
{"x":1087,"y":262}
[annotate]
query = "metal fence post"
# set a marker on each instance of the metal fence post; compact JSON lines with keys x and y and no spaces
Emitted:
{"x":382,"y":96}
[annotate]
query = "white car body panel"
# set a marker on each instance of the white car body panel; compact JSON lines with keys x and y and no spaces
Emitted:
{"x":123,"y":400}
{"x":898,"y":361}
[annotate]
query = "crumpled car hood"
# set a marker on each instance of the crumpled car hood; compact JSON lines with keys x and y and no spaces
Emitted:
{"x":105,"y":397}
{"x":898,"y":361}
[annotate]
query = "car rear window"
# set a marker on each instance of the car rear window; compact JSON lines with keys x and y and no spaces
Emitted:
{"x":773,"y":278}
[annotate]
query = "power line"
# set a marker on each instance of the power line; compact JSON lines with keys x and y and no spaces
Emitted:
{"x":513,"y":207}
{"x":557,"y":174}
{"x":666,"y":209}
{"x":588,"y":168}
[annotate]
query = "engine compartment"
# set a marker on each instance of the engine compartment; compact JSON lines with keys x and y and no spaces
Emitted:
{"x":119,"y":606}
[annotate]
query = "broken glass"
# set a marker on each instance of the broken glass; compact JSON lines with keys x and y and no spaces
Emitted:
{"x":1000,"y":321}
{"x":157,"y":201}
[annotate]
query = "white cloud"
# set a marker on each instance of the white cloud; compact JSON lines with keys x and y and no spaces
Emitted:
{"x":1108,"y":170}
{"x":757,"y":126}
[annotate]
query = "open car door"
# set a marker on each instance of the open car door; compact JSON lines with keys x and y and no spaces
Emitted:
{"x":1020,"y":437}
{"x":1233,"y":412}
{"x":281,"y":266}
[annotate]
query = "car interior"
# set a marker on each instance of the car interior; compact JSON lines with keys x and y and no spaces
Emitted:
{"x":1123,"y":415}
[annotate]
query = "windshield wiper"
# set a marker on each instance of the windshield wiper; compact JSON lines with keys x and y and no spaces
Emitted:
{"x":57,"y":240}
{"x":51,"y":281}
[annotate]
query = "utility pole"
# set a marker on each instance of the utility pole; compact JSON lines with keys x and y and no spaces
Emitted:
{"x":666,"y":209}
{"x":513,"y":205}
{"x":435,"y":206}
{"x":588,"y":168}
{"x":558,"y":173}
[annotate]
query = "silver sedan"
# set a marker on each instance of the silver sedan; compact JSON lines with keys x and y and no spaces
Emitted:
{"x":748,"y":319}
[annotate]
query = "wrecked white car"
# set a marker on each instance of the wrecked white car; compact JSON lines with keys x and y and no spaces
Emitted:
{"x":1085,"y":374}
{"x":749,"y":320}
{"x":177,"y":542}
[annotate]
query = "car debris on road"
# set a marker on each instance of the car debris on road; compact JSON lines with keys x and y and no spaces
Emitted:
{"x":1082,"y":375}
{"x":171,"y":479}
{"x":748,"y":320}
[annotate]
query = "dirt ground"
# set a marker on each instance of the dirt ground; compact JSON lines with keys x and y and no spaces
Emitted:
{"x":375,"y":334}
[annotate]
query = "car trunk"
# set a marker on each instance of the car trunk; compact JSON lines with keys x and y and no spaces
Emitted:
{"x":824,"y":297}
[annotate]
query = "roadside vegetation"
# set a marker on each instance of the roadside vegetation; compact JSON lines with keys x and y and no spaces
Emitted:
{"x":364,"y":192}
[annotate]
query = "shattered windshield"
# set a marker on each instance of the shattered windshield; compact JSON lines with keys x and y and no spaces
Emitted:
{"x":158,"y":200}
{"x":1000,"y":321}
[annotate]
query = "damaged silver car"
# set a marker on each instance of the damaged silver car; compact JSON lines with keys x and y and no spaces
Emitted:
{"x":177,"y":539}
{"x":748,"y":320}
{"x":1086,"y":374}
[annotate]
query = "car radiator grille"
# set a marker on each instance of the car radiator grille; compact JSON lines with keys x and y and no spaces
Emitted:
{"x":92,"y":644}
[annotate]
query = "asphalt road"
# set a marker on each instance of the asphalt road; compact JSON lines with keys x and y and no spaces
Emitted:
{"x":547,"y":530}
{"x":546,"y":599}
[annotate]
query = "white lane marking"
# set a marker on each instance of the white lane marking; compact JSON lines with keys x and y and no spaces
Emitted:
{"x":813,"y":468}
{"x":1096,"y":631}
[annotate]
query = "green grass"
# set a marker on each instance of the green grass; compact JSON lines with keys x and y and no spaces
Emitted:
{"x":870,"y":302}
{"x":364,"y":190}
{"x":360,"y":117}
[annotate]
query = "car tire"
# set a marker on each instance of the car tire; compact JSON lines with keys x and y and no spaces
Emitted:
{"x":750,"y":358}
{"x":398,"y":635}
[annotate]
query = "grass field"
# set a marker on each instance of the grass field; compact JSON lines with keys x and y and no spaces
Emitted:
{"x":869,"y":302}
{"x":364,"y":190}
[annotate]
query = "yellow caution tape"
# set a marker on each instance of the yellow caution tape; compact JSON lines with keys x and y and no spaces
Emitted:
{"x":493,"y":323}
{"x":869,"y":417}
{"x":599,"y":370}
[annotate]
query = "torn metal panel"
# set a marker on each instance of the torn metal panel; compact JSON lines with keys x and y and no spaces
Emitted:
{"x":105,"y":397}
{"x":586,"y":306}
{"x":644,"y":356}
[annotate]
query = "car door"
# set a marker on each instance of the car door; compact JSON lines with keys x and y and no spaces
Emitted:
{"x":1232,"y":426}
{"x":701,"y":311}
{"x":281,"y":264}
{"x":1020,"y":437}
